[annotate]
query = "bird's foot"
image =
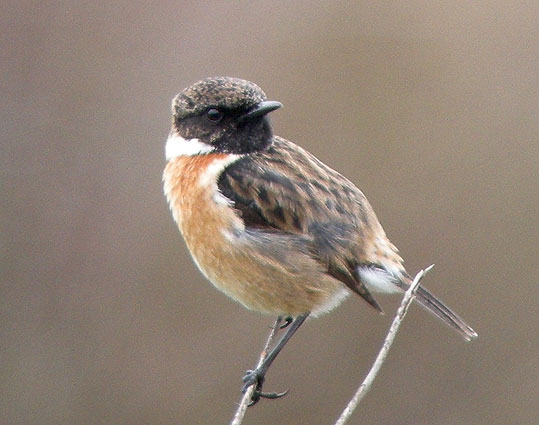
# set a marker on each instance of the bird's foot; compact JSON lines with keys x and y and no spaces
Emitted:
{"x":256,"y":377}
{"x":287,"y":321}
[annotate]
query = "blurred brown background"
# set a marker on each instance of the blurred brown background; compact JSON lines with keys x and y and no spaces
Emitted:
{"x":430,"y":107}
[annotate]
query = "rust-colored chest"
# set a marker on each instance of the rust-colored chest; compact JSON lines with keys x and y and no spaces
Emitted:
{"x":261,"y":271}
{"x":200,"y":210}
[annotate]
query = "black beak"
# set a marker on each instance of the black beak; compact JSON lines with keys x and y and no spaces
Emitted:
{"x":259,"y":110}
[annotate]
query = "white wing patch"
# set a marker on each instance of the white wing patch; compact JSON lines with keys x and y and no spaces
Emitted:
{"x":378,"y":280}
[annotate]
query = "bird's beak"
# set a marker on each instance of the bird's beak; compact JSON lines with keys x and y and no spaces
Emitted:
{"x":259,"y":110}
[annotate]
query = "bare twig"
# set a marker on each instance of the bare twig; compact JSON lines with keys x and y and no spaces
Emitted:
{"x":246,"y":399}
{"x":366,"y":384}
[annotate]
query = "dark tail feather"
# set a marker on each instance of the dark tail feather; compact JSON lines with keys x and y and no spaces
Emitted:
{"x":440,"y":310}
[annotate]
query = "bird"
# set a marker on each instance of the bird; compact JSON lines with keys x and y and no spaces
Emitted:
{"x":268,"y":223}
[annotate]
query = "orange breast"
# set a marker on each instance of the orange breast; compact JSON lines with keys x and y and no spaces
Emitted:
{"x":201,"y":212}
{"x":262,"y":273}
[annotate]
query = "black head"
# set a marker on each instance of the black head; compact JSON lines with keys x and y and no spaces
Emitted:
{"x":226,"y":113}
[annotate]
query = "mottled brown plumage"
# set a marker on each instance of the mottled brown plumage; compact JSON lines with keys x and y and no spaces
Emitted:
{"x":267,"y":222}
{"x":271,"y":272}
{"x":285,"y":189}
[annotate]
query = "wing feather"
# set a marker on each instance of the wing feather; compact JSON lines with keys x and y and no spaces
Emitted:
{"x":286,"y":189}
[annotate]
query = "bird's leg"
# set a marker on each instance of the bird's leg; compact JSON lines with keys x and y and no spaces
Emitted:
{"x":256,"y":377}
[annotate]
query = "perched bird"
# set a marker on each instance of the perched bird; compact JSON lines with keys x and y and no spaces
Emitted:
{"x":268,"y":223}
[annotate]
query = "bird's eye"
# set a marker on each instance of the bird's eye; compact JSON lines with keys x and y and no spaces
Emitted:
{"x":214,"y":115}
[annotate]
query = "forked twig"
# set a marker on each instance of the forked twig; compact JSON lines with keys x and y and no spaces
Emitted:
{"x":247,"y":396}
{"x":367,"y":382}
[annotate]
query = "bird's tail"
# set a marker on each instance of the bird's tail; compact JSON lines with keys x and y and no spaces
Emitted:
{"x":432,"y":304}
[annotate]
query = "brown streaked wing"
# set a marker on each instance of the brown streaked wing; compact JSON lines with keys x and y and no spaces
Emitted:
{"x":286,"y":189}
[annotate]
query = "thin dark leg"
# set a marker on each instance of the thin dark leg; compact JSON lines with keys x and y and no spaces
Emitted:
{"x":257,"y":376}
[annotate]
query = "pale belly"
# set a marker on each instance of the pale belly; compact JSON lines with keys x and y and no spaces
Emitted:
{"x":268,"y":276}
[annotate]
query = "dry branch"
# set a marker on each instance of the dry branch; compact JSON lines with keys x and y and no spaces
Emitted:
{"x":367,"y":382}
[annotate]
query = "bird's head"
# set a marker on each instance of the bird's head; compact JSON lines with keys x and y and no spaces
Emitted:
{"x":220,"y":114}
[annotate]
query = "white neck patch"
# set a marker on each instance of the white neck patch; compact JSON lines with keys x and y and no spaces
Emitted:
{"x":178,"y":146}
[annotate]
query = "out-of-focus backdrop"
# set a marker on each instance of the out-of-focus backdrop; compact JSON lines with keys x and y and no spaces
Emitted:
{"x":430,"y":107}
